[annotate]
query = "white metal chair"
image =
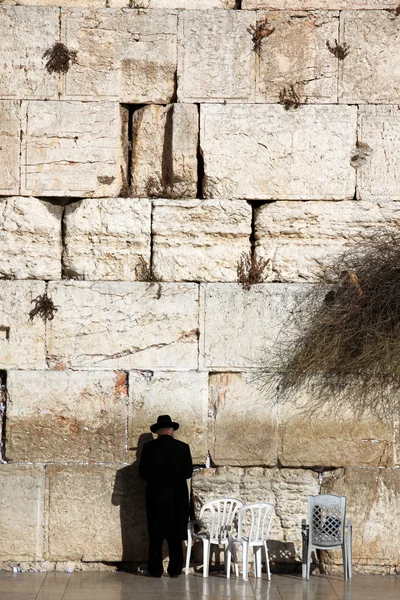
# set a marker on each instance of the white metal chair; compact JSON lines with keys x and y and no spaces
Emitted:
{"x":217,"y":518}
{"x":254,"y":523}
{"x":327,"y":530}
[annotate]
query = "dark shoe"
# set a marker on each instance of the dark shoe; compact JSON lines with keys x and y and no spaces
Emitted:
{"x":153,"y":575}
{"x":174,"y":576}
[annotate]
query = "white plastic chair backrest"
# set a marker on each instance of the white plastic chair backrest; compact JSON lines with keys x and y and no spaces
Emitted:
{"x":254,"y":521}
{"x":219,"y":515}
{"x":327,"y":518}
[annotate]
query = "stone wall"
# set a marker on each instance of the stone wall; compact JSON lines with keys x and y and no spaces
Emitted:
{"x":144,"y":146}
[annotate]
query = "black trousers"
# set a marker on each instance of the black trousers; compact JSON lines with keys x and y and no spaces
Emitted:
{"x":155,"y":566}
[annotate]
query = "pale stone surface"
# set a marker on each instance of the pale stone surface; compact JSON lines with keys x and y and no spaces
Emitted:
{"x":369,"y":73}
{"x":242,"y":328}
{"x":373,"y":504}
{"x":66,"y":416}
{"x":122,"y":54}
{"x":83,"y":508}
{"x":9,"y":146}
{"x":30,"y":239}
{"x":319,"y":4}
{"x":378,"y":176}
{"x":23,"y":68}
{"x":289,"y":155}
{"x":287,"y":489}
{"x":21,"y":512}
{"x":103,"y":239}
{"x":301,"y":238}
{"x":184,"y":4}
{"x":319,"y":426}
{"x":200,"y":240}
{"x":124,"y":325}
{"x":73,"y":148}
{"x":216,"y":60}
{"x":164,"y":151}
{"x":243,"y":421}
{"x":22,"y":340}
{"x":296,"y":54}
{"x":182,"y":395}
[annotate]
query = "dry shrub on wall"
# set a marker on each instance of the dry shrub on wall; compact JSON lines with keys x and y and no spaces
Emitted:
{"x":347,"y":341}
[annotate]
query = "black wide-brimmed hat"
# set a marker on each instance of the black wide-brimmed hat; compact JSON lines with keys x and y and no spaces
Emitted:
{"x":163,"y":422}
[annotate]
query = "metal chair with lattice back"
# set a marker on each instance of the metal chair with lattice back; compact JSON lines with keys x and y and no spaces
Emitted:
{"x":327,"y":530}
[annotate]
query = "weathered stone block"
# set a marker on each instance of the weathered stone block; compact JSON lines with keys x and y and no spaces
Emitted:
{"x":164,"y":154}
{"x":83,"y":523}
{"x":9,"y":146}
{"x":184,"y":4}
{"x":122,"y":54}
{"x":373,"y":34}
{"x":378,"y":175}
{"x":296,"y":54}
{"x":242,"y":328}
{"x":182,"y":395}
{"x":200,"y":240}
{"x":23,"y":68}
{"x":301,"y":238}
{"x":22,"y":339}
{"x":243,"y":421}
{"x":30,"y":239}
{"x":321,"y":427}
{"x":21,"y":512}
{"x":105,"y":238}
{"x":124,"y":325}
{"x":66,"y":416}
{"x":287,"y":489}
{"x":73,"y":148}
{"x":373,"y":503}
{"x":319,"y":4}
{"x":276,"y":146}
{"x":216,"y":60}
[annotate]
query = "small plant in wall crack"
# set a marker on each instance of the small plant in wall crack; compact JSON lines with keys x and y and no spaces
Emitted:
{"x":289,"y":98}
{"x":43,"y":307}
{"x":145,"y":272}
{"x":338,"y":50}
{"x":250,"y":270}
{"x":261,"y":30}
{"x":59,"y":58}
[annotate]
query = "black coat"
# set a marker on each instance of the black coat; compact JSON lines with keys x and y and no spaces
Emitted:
{"x":166,"y":463}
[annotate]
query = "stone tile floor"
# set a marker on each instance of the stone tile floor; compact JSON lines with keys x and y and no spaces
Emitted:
{"x":124,"y":586}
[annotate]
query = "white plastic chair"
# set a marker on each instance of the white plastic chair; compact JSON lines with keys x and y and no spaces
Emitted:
{"x":218,"y":517}
{"x":254,"y":523}
{"x":327,"y":530}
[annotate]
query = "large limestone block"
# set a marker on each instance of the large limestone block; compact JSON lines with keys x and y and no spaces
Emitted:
{"x":9,"y":146}
{"x":22,"y":339}
{"x":200,"y":240}
{"x":331,"y":426}
{"x":105,"y":238}
{"x":216,"y":60}
{"x":73,"y":148}
{"x":21,"y":512}
{"x":301,"y":154}
{"x":369,"y":73}
{"x":164,"y":151}
{"x":82,"y":521}
{"x":184,"y":4}
{"x":23,"y":68}
{"x":30,"y":239}
{"x":243,"y":328}
{"x":373,"y":504}
{"x":378,"y":173}
{"x":66,"y":416}
{"x":287,"y":489}
{"x":296,"y":54}
{"x":301,"y":238}
{"x":243,"y":421}
{"x":121,"y":325}
{"x":319,"y":4}
{"x":122,"y":54}
{"x":181,"y":395}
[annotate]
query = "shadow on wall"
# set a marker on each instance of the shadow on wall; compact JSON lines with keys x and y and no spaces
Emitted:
{"x":129,"y":495}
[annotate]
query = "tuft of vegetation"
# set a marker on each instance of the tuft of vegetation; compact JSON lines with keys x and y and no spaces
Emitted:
{"x":361,"y":154}
{"x":347,"y":340}
{"x":261,"y":30}
{"x":145,"y":272}
{"x":289,"y":98}
{"x":338,"y":50}
{"x":59,"y":58}
{"x":396,"y":11}
{"x":43,"y":307}
{"x":250,"y":270}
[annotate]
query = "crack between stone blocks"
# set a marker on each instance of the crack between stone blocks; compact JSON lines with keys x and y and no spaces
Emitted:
{"x":22,"y":120}
{"x":127,"y":415}
{"x":3,"y":415}
{"x":200,"y":161}
{"x":151,"y":258}
{"x":47,"y":358}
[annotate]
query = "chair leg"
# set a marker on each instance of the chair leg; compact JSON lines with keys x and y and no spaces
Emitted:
{"x":245,"y":561}
{"x":349,"y":558}
{"x":206,"y":557}
{"x":188,"y":552}
{"x":304,"y":553}
{"x":309,"y":550}
{"x":258,"y":561}
{"x":267,"y":561}
{"x":345,"y":560}
{"x":228,"y":558}
{"x":235,"y":560}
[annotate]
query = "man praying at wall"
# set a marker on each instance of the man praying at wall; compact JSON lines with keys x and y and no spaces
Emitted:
{"x":166,"y":463}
